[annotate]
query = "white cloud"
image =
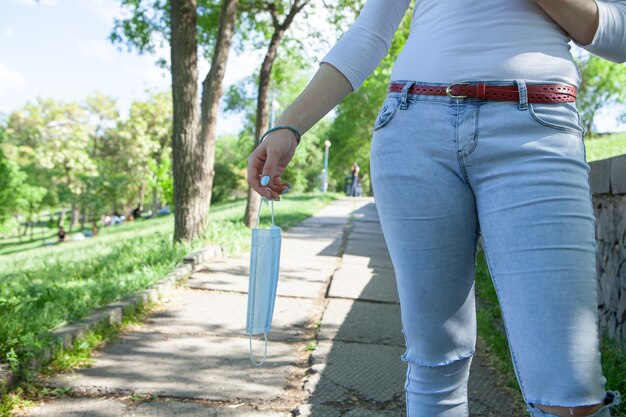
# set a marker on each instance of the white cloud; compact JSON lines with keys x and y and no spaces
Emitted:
{"x":10,"y":79}
{"x":36,"y":2}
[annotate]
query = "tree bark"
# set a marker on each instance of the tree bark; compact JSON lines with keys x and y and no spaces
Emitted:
{"x":265,"y":78}
{"x":189,"y":214}
{"x":193,"y":146}
{"x":74,"y":214}
{"x":212,"y":92}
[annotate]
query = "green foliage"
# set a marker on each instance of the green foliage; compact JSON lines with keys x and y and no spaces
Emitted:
{"x":351,"y":130}
{"x":230,"y":164}
{"x":304,"y":170}
{"x":45,"y":287}
{"x":603,"y":84}
{"x":614,"y":368}
{"x":11,"y":179}
{"x":82,"y":154}
{"x":489,"y":321}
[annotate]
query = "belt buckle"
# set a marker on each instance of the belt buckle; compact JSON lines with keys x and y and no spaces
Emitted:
{"x":449,"y":91}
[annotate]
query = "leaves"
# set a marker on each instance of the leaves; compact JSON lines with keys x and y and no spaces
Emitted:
{"x":603,"y":84}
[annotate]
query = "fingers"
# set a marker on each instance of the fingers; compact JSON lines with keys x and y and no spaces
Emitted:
{"x":266,"y":164}
{"x":255,"y":167}
{"x":272,"y":186}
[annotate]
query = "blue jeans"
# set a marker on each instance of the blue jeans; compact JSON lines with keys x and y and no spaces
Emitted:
{"x":445,"y":171}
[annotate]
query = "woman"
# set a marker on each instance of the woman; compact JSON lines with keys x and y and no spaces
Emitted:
{"x":354,"y":179}
{"x":479,"y":135}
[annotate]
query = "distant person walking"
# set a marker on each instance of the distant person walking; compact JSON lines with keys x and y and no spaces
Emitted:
{"x":355,"y":179}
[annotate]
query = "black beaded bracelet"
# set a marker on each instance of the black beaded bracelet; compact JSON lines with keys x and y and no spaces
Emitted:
{"x":275,"y":128}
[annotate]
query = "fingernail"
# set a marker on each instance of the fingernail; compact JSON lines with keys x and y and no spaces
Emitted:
{"x":265,"y":180}
{"x":286,"y":190}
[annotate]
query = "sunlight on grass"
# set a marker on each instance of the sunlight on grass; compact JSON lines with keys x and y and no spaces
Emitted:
{"x":604,"y":147}
{"x":44,"y":287}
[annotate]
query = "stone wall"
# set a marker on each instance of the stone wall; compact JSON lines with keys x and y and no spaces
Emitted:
{"x":608,"y":185}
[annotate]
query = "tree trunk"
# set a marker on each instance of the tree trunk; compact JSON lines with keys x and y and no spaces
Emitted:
{"x":156,"y":205}
{"x":262,"y":112}
{"x":189,"y":215}
{"x":211,"y":94}
{"x":262,"y":119}
{"x":74,"y":215}
{"x":62,"y":217}
{"x":142,"y":193}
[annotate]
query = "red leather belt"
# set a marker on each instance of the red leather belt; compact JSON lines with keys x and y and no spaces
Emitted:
{"x":537,"y":93}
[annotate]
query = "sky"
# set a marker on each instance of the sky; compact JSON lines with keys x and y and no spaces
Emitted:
{"x":59,"y":49}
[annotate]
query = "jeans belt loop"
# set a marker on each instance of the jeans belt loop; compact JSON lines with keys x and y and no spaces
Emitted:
{"x":523,"y":94}
{"x":403,"y":98}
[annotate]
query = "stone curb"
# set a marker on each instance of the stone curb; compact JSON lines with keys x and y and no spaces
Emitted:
{"x":114,"y":313}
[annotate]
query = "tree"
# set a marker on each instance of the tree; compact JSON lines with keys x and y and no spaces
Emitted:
{"x":193,"y":144}
{"x":289,"y":78}
{"x":11,"y":179}
{"x":265,"y":77}
{"x":352,"y":128}
{"x":54,"y":141}
{"x":603,"y":84}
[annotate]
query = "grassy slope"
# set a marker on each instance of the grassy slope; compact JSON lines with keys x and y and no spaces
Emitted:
{"x":43,"y":287}
{"x":604,"y":147}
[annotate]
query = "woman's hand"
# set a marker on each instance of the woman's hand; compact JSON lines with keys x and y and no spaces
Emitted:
{"x":579,"y":18}
{"x":268,"y":161}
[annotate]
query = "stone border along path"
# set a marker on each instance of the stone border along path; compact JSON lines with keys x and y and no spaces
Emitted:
{"x":336,"y":289}
{"x":115,"y":312}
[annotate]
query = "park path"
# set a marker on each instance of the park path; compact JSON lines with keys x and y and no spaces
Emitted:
{"x":334,"y":349}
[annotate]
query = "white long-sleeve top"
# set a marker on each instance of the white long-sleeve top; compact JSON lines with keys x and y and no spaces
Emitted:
{"x":473,"y":40}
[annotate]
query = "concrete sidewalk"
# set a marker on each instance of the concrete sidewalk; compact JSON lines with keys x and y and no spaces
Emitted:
{"x":334,"y":349}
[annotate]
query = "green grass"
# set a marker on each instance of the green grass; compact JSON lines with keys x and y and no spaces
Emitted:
{"x":45,"y":287}
{"x":489,"y":318}
{"x":30,"y":389}
{"x":606,"y":146}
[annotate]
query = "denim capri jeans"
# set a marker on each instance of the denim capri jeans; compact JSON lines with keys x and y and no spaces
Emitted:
{"x":444,"y":172}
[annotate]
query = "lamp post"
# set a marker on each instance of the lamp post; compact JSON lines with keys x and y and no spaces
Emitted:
{"x":325,"y":172}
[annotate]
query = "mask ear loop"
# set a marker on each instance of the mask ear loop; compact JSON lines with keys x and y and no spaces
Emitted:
{"x":264,"y":352}
{"x":256,"y":226}
{"x":264,"y":334}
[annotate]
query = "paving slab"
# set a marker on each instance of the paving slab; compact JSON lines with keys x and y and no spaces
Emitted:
{"x":199,"y":312}
{"x":345,"y":370}
{"x":310,"y":410}
{"x":80,"y":407}
{"x":376,"y":261}
{"x":363,"y":322}
{"x":362,"y":283}
{"x":367,"y":247}
{"x":337,"y":213}
{"x":187,"y":409}
{"x":216,"y":368}
{"x":297,"y":278}
{"x":305,"y":282}
{"x":487,"y":391}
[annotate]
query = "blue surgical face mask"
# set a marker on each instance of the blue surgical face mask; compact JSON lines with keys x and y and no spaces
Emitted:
{"x":264,"y":264}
